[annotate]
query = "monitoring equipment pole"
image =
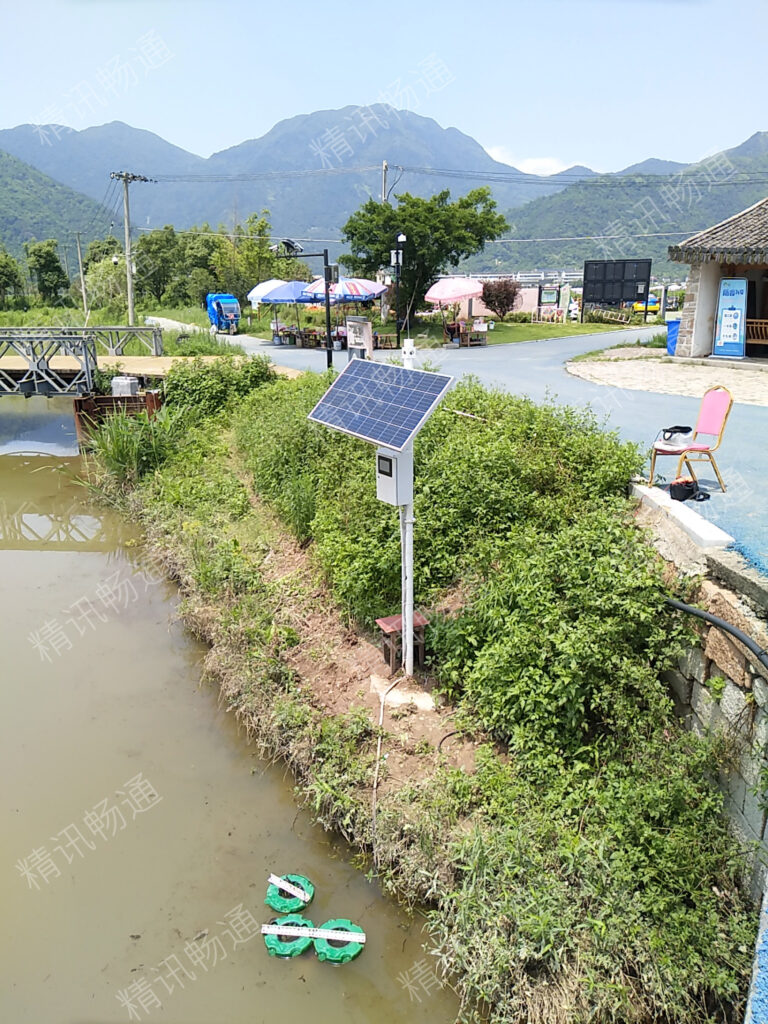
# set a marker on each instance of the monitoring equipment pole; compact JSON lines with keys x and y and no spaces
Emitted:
{"x":387,"y":406}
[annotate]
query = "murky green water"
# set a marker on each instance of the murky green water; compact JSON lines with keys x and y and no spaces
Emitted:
{"x":139,"y":826}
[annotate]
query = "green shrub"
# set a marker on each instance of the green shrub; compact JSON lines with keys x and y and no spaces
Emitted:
{"x":205,"y":387}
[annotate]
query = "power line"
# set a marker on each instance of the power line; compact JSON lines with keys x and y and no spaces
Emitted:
{"x":165,"y":179}
{"x":511,"y":177}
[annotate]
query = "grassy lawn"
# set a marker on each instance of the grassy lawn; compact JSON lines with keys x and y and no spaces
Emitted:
{"x":504,"y":334}
{"x":184,"y":314}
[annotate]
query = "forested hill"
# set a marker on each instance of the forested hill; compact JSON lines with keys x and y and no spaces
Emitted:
{"x":662,"y":207}
{"x":310,"y":171}
{"x":34,"y":207}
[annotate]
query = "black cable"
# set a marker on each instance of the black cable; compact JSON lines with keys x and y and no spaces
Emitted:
{"x":760,"y":653}
{"x":446,"y":737}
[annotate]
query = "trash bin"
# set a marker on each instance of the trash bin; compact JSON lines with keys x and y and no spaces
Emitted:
{"x":673,"y":328}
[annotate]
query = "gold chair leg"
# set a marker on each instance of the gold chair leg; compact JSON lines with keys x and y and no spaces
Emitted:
{"x":717,"y":471}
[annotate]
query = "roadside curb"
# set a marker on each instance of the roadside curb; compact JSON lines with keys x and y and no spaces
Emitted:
{"x":699,"y":529}
{"x":734,"y":364}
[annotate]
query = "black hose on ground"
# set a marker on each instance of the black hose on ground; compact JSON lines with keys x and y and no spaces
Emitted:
{"x":759,"y":652}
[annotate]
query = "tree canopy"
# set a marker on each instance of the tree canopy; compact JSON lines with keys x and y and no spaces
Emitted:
{"x":501,"y":296}
{"x":11,"y":278}
{"x":439,"y":234}
{"x":45,"y":267}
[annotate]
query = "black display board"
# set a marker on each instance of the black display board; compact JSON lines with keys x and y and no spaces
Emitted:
{"x":611,"y":282}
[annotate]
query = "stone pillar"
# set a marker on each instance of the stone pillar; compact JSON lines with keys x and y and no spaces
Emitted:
{"x":685,"y":335}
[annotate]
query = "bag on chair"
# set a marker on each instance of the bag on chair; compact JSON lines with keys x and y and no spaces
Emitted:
{"x":675,"y":433}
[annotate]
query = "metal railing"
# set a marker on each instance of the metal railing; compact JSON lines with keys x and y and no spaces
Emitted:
{"x":109,"y":340}
{"x":37,"y":346}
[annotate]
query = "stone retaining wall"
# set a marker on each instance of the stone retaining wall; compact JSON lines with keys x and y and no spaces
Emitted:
{"x":719,"y":688}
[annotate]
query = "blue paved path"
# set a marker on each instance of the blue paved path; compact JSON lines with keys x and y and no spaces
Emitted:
{"x":535,"y":368}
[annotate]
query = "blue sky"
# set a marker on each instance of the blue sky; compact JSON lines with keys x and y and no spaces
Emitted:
{"x":541,"y":85}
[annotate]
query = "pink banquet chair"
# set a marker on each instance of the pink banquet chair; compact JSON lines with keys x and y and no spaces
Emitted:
{"x":713,"y":415}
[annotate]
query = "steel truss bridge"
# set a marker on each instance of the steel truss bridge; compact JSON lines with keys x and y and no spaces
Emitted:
{"x":33,"y":348}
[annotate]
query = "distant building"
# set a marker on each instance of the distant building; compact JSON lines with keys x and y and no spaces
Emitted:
{"x":737,"y":247}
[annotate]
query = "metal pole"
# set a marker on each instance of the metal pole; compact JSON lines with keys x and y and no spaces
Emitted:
{"x":328,"y":342}
{"x":397,"y":296}
{"x":383,"y":181}
{"x":82,"y":274}
{"x":408,"y":623}
{"x":128,"y":268}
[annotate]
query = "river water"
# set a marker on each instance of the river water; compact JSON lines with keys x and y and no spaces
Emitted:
{"x":139,"y":826}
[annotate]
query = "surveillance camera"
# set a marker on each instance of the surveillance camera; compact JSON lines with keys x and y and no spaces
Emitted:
{"x":115,"y":260}
{"x":291,"y":247}
{"x":275,"y":247}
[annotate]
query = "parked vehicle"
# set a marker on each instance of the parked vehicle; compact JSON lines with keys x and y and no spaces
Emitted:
{"x":223,"y":312}
{"x":653,"y":305}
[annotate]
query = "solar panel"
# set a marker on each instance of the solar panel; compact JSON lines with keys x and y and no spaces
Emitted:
{"x":380,"y":403}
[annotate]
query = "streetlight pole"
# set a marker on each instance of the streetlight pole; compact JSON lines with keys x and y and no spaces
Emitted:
{"x":291,"y":250}
{"x":327,"y":274}
{"x":397,"y":261}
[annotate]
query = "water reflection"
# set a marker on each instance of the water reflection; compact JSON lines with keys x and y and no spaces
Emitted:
{"x":41,"y":508}
{"x":40,"y":425}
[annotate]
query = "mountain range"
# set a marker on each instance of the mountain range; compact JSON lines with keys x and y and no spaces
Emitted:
{"x":313,"y":170}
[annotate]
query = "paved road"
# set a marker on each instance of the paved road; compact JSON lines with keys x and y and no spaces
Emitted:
{"x":536,"y":368}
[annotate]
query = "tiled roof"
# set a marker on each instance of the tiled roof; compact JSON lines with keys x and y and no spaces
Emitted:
{"x":742,"y":238}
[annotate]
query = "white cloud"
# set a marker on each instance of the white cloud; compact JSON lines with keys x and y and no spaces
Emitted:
{"x":528,"y":165}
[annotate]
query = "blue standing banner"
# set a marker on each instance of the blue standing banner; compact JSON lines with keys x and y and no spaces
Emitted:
{"x":731,"y":329}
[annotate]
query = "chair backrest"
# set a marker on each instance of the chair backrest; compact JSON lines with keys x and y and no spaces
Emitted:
{"x":715,"y":406}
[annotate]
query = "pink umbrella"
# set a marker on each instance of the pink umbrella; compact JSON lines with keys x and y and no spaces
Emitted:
{"x":454,"y":289}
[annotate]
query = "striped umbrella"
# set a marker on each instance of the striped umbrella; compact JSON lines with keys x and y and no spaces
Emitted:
{"x":347,"y":289}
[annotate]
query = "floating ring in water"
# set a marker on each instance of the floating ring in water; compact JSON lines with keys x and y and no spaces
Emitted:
{"x":337,"y":952}
{"x":290,"y":946}
{"x":289,"y":904}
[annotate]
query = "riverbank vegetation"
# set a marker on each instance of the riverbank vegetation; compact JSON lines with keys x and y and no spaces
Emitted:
{"x":580,"y":870}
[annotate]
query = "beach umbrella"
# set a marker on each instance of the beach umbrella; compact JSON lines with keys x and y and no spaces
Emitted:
{"x":347,"y":289}
{"x":256,"y":295}
{"x":454,"y":289}
{"x":289,"y":292}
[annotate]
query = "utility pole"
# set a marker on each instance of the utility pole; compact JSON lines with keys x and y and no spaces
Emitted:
{"x":126,"y":177}
{"x":384,"y":169}
{"x":82,"y":274}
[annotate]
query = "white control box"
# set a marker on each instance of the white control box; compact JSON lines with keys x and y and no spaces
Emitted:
{"x":394,"y":476}
{"x":125,"y":387}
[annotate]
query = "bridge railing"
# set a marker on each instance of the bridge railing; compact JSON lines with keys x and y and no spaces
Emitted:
{"x":109,"y":340}
{"x":37,"y":346}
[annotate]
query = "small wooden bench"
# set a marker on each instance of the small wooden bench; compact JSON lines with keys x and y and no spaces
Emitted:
{"x":392,"y":639}
{"x":387,"y":341}
{"x":757,"y":332}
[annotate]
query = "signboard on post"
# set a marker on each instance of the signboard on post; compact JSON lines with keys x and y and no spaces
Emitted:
{"x":360,"y":336}
{"x":611,"y":282}
{"x":731,"y":327}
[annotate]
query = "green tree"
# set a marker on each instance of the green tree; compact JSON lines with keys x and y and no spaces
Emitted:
{"x":46,"y":269}
{"x":99,"y":249}
{"x":11,"y":277}
{"x":439,"y":234}
{"x":106,"y":285}
{"x":156,"y":256}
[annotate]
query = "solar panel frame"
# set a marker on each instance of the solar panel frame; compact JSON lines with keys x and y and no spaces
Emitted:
{"x":380,"y":403}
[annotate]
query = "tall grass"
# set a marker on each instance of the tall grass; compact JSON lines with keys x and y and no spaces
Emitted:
{"x":131,"y":446}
